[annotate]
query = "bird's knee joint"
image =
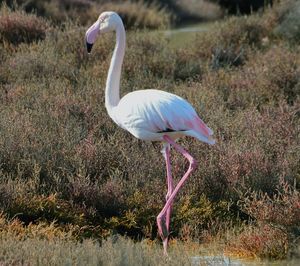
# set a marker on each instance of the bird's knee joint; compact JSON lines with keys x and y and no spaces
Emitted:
{"x":168,"y":196}
{"x":159,"y":218}
{"x":162,"y":227}
{"x":194,"y":164}
{"x":163,"y":152}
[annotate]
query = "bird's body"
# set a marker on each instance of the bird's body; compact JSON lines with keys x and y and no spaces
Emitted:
{"x":153,"y":115}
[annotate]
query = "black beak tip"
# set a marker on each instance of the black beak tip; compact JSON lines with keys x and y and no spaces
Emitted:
{"x":89,"y":47}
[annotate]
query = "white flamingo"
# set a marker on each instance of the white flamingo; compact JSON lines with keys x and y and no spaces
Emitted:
{"x":149,"y":114}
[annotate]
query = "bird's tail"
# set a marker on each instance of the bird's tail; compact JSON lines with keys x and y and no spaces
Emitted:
{"x":201,"y":131}
{"x":204,"y":138}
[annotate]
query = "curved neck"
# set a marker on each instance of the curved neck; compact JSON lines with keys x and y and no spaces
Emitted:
{"x":112,"y":91}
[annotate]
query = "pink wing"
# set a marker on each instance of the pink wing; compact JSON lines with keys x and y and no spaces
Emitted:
{"x":159,"y":111}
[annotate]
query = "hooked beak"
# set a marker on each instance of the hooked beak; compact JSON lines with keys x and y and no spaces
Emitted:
{"x":91,"y":35}
{"x":89,"y":47}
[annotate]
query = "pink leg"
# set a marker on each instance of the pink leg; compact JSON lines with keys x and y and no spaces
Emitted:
{"x":166,"y":153}
{"x":161,"y":218}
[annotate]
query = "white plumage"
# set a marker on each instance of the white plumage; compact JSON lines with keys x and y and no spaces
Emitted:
{"x":149,"y":114}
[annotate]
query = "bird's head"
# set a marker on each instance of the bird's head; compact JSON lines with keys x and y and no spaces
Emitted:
{"x":106,"y":22}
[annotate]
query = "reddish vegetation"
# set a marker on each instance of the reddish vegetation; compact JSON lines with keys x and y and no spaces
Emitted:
{"x":20,"y":27}
{"x":62,"y":159}
{"x":262,"y":241}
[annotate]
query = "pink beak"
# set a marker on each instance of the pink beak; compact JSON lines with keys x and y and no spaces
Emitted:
{"x":91,"y":35}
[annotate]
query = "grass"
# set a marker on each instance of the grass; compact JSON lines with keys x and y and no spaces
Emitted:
{"x":121,"y":251}
{"x":68,"y":175}
{"x":52,"y":245}
{"x":290,"y":27}
{"x":18,"y":27}
{"x":135,"y":14}
{"x":183,"y":37}
{"x":203,"y":10}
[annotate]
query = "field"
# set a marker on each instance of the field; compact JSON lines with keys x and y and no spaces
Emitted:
{"x":76,"y":189}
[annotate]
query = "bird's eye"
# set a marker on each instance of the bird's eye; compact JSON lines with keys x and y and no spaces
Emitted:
{"x":102,"y":20}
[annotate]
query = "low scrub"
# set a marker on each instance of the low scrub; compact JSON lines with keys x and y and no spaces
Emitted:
{"x":15,"y":229}
{"x":289,"y":26}
{"x":112,"y":251}
{"x":281,"y":209}
{"x":62,"y":159}
{"x":135,"y":14}
{"x":229,"y":45}
{"x":139,"y":15}
{"x":264,"y":241}
{"x":277,"y":219}
{"x":17,"y":27}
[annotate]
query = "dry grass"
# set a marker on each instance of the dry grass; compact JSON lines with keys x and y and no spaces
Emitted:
{"x":18,"y":27}
{"x":277,"y":218}
{"x":203,"y":9}
{"x":139,"y":15}
{"x":110,"y":252}
{"x":62,"y":159}
{"x":51,"y":245}
{"x":135,"y":14}
{"x":290,"y":26}
{"x":263,"y":241}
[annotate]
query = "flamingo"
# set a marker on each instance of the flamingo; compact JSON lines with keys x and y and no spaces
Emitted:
{"x":152,"y":115}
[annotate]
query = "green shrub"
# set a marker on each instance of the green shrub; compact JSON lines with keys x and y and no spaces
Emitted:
{"x":15,"y":229}
{"x":289,"y":26}
{"x":229,"y":42}
{"x":33,"y":208}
